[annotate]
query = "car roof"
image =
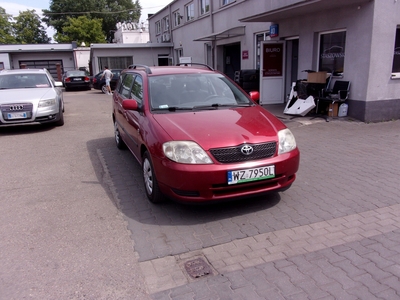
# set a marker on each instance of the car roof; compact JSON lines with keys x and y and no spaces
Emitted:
{"x":168,"y":70}
{"x":22,"y":71}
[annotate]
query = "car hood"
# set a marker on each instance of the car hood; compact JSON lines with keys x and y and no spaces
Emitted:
{"x":26,"y":95}
{"x":221,"y":127}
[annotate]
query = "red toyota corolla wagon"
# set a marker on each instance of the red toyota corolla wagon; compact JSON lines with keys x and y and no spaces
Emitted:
{"x":199,"y":137}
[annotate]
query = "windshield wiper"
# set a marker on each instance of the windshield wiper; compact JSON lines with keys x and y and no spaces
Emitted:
{"x":216,"y":105}
{"x":171,"y":108}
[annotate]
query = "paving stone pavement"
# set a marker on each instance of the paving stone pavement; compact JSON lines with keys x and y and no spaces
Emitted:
{"x":334,"y":235}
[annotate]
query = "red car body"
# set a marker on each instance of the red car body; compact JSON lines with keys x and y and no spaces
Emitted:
{"x":145,"y":129}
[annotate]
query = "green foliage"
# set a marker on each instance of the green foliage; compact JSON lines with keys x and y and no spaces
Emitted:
{"x":6,"y":29}
{"x":28,"y":29}
{"x":109,"y":11}
{"x":81,"y":29}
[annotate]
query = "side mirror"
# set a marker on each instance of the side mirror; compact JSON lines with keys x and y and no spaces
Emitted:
{"x":130,"y":104}
{"x":255,"y":96}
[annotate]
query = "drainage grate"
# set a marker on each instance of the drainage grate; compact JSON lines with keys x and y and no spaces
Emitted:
{"x":197,"y":268}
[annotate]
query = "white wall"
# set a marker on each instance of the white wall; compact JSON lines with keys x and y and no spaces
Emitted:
{"x":5,"y":59}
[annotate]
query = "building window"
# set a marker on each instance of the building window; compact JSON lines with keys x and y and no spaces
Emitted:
{"x":158,"y":27}
{"x":204,"y":6}
{"x":396,"y":55}
{"x":332,"y":52}
{"x":225,"y":2}
{"x":177,"y":18}
{"x":166,"y":24}
{"x":1,"y":65}
{"x":116,"y":62}
{"x":260,"y":37}
{"x":189,"y":11}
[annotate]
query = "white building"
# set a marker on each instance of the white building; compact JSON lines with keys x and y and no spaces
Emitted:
{"x":131,"y":33}
{"x":356,"y":39}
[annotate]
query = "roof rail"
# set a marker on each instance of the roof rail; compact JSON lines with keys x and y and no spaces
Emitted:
{"x":195,"y":64}
{"x":147,"y":69}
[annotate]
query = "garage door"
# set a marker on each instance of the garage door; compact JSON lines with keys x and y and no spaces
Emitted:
{"x":50,"y":65}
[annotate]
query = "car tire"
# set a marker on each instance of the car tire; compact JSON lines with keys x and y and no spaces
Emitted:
{"x":60,"y":121}
{"x":150,"y":181}
{"x":118,"y":139}
{"x":104,"y":89}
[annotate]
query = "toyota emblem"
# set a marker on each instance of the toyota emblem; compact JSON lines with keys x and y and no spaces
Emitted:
{"x":247,"y":150}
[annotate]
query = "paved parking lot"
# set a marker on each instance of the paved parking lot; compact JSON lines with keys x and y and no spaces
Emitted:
{"x":334,"y":234}
{"x":76,"y":223}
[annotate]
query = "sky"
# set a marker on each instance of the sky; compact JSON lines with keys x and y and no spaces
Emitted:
{"x":13,"y":7}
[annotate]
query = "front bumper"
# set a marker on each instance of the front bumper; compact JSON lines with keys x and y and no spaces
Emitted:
{"x":35,"y":115}
{"x":208,"y":183}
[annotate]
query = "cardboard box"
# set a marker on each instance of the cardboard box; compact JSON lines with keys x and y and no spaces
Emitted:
{"x":317,"y":77}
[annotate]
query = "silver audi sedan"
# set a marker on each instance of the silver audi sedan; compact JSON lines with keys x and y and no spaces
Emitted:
{"x":30,"y":96}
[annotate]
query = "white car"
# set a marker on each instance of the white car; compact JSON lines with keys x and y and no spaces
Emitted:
{"x":30,"y":96}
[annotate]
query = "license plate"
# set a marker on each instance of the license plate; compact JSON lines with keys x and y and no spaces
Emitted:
{"x":77,"y":79}
{"x":17,"y":115}
{"x":248,"y":175}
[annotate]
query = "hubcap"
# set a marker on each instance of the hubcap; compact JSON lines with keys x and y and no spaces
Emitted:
{"x":148,"y":176}
{"x":116,"y":133}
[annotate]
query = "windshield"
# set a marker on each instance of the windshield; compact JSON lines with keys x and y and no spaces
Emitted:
{"x":194,"y":91}
{"x":23,"y":81}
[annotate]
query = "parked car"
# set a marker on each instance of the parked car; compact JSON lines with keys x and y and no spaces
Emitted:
{"x":100,"y":84}
{"x":199,"y":137}
{"x":30,"y":96}
{"x":76,"y":79}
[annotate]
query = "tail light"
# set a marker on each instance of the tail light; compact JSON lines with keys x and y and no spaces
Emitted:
{"x":67,"y":79}
{"x":87,"y":79}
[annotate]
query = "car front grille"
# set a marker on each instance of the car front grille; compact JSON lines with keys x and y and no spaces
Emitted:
{"x":234,"y":154}
{"x":7,"y":109}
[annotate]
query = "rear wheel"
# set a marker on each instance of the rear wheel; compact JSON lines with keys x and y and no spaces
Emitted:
{"x":118,"y":139}
{"x":150,"y":181}
{"x":104,"y":89}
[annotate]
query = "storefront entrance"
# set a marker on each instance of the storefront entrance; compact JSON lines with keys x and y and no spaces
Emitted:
{"x":272,"y":72}
{"x":231,"y":59}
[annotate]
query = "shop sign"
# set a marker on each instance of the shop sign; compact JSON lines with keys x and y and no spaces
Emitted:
{"x":245,"y":54}
{"x":273,"y":60}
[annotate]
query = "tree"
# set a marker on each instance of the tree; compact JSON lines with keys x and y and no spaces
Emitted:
{"x":81,"y":29}
{"x":28,"y":28}
{"x":110,"y":11}
{"x":6,"y":29}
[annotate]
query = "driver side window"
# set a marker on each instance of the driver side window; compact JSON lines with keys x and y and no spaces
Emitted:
{"x":126,"y":85}
{"x":137,"y":89}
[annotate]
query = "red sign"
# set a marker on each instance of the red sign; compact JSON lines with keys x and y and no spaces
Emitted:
{"x":245,"y":54}
{"x":273,"y":60}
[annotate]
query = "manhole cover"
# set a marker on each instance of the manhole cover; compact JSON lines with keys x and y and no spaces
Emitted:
{"x":197,"y":268}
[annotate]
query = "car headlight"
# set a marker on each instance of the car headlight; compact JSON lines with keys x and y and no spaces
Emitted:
{"x":47,"y":102}
{"x":186,"y":152}
{"x":287,"y":141}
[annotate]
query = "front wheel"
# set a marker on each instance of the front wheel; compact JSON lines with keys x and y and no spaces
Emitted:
{"x":104,"y":89}
{"x":150,"y":181}
{"x":118,"y":139}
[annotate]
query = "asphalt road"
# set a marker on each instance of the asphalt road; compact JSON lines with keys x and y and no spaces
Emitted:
{"x":75,"y":222}
{"x":62,"y":236}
